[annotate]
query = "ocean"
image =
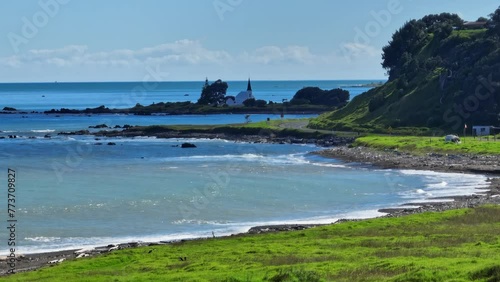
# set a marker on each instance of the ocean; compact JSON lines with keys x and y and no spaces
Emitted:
{"x":73,"y":193}
{"x":46,"y":96}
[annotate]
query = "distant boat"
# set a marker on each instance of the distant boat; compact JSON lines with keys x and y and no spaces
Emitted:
{"x":43,"y":96}
{"x":186,"y":94}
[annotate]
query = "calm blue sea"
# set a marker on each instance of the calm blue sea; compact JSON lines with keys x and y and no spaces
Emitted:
{"x":46,"y":96}
{"x":74,"y":193}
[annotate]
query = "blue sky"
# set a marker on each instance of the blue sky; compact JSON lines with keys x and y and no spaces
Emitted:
{"x":125,"y":40}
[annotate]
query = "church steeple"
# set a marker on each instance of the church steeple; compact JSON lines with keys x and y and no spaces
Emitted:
{"x":249,"y":87}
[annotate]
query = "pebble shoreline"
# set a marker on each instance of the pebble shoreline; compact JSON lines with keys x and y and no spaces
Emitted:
{"x":394,"y":159}
{"x":460,"y":163}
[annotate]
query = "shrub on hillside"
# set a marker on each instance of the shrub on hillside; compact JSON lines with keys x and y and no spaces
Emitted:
{"x":317,"y":96}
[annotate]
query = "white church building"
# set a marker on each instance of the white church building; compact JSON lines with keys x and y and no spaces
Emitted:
{"x":241,"y":97}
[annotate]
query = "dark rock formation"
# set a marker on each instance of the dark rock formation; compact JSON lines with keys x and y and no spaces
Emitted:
{"x":188,"y":145}
{"x":79,"y":132}
{"x":99,"y":126}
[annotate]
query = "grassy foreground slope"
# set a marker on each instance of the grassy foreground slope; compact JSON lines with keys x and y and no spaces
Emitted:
{"x":458,"y":245}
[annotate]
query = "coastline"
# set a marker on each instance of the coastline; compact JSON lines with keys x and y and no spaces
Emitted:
{"x":394,"y":159}
{"x":209,"y":111}
{"x":449,"y":163}
{"x":384,"y":159}
{"x":247,"y":135}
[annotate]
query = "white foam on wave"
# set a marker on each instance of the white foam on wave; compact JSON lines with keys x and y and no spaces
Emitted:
{"x":220,"y":228}
{"x":441,"y":184}
{"x":173,"y":141}
{"x":330,"y":165}
{"x":445,"y":175}
{"x":200,"y":222}
{"x":141,"y":138}
{"x":431,"y":201}
{"x":287,"y":159}
{"x":172,"y":167}
{"x":228,"y":157}
{"x":419,"y":194}
{"x":54,"y":244}
{"x":244,"y":226}
{"x":43,"y":239}
{"x":43,"y":130}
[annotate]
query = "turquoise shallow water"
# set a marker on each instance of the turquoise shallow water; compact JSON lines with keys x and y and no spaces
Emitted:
{"x":41,"y":124}
{"x":73,"y":193}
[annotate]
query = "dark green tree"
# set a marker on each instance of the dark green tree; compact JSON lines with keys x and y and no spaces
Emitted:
{"x":443,"y":31}
{"x":317,"y":96}
{"x":261,"y":103}
{"x":434,"y":23}
{"x":412,"y":36}
{"x":213,"y":94}
{"x":406,"y":40}
{"x":494,"y":23}
{"x":249,"y":102}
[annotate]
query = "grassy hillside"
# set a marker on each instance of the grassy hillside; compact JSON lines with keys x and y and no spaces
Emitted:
{"x":437,"y":85}
{"x":459,"y":245}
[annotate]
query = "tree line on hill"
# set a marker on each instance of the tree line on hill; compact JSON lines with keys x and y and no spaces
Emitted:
{"x":213,"y":100}
{"x":443,"y":73}
{"x":215,"y":94}
{"x":464,"y":58}
{"x":400,"y":57}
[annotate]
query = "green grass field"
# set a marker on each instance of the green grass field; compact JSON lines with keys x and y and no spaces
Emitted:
{"x":276,"y":124}
{"x":432,"y":144}
{"x":293,"y":128}
{"x":459,"y":245}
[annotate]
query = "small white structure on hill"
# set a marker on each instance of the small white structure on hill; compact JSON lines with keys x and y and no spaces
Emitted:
{"x":241,"y":97}
{"x":481,"y":130}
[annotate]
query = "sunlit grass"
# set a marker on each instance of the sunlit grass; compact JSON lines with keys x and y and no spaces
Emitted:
{"x":484,"y":145}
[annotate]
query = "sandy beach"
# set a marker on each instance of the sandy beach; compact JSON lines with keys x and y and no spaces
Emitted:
{"x":486,"y":165}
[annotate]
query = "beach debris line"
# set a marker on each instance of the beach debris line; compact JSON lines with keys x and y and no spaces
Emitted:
{"x":84,"y":255}
{"x":105,"y":249}
{"x":281,"y":228}
{"x":56,"y":261}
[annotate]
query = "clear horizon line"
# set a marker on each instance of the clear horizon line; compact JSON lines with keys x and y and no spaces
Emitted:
{"x":137,"y":81}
